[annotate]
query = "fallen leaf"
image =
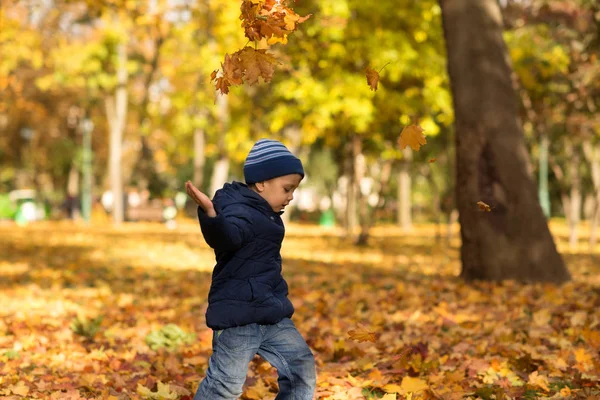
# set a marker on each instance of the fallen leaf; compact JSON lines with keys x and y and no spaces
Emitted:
{"x":413,"y":385}
{"x":360,"y":334}
{"x":19,"y":389}
{"x":259,"y":391}
{"x":535,"y":379}
{"x":163,"y":392}
{"x":392,"y":388}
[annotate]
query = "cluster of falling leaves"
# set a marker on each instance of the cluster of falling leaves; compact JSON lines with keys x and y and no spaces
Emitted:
{"x":381,"y":323}
{"x":270,"y":20}
{"x":412,"y":135}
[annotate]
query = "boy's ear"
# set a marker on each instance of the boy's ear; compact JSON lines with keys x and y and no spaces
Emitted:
{"x":260,"y":186}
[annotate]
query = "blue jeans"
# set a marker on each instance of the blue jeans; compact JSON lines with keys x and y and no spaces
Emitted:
{"x":280,"y":344}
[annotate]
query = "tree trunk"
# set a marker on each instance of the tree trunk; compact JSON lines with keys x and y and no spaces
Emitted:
{"x":573,"y":212}
{"x":199,"y":157}
{"x":351,"y":188}
{"x":73,"y":192}
{"x":145,"y":172}
{"x":221,"y":168}
{"x":294,"y":135}
{"x":116,"y":112}
{"x":592,"y":154}
{"x":363,"y":201}
{"x":543,"y":191}
{"x":513,"y":240}
{"x":404,"y":191}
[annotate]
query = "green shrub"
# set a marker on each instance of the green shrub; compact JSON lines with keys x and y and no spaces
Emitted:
{"x":170,"y":337}
{"x":86,"y":328}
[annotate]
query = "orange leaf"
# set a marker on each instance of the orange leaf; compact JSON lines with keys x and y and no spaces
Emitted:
{"x":360,"y":334}
{"x":432,"y":160}
{"x":483,"y":206}
{"x":372,"y":78}
{"x":258,"y":391}
{"x":257,"y":63}
{"x":412,"y":135}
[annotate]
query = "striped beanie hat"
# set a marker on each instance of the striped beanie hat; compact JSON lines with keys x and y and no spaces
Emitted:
{"x":269,"y":159}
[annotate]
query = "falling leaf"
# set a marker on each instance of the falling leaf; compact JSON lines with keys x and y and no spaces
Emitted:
{"x":432,"y":160}
{"x":372,"y":78}
{"x":483,"y":206}
{"x":360,"y":334}
{"x":245,"y":65}
{"x":256,"y":63}
{"x":412,"y":135}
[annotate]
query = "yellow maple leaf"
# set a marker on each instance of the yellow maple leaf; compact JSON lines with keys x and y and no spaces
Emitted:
{"x":412,"y":135}
{"x":583,"y":357}
{"x":538,"y":380}
{"x":277,"y":39}
{"x":19,"y":389}
{"x":565,"y":392}
{"x":389,"y":396}
{"x":360,"y":334}
{"x":413,"y":385}
{"x":163,"y":392}
{"x":372,"y":78}
{"x":392,"y":388}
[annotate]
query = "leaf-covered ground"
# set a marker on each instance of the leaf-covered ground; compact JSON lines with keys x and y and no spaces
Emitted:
{"x":119,"y":313}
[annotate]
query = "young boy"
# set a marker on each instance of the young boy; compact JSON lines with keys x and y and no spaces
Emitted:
{"x":248,"y":308}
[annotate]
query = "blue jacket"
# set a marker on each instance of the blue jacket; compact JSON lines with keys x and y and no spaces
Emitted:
{"x":247,"y":285}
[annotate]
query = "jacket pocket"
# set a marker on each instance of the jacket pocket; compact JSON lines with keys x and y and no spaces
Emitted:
{"x":260,"y":291}
{"x":234,"y":289}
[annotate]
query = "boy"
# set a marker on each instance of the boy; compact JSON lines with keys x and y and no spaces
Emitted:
{"x":248,"y":308}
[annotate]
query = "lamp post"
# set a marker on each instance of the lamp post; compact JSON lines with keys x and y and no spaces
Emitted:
{"x":87,"y":126}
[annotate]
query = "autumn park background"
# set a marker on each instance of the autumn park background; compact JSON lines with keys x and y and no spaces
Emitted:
{"x":444,"y":244}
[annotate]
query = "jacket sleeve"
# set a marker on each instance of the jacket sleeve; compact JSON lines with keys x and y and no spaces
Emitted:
{"x":228,"y":231}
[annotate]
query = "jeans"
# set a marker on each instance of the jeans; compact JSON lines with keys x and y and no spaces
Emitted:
{"x":280,"y":344}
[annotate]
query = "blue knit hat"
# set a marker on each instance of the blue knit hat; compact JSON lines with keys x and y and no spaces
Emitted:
{"x":269,"y":159}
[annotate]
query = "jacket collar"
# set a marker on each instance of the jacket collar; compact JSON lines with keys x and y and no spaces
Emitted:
{"x":248,"y":196}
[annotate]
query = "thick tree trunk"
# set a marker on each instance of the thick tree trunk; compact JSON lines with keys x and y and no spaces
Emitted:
{"x":513,"y":240}
{"x":116,"y":111}
{"x":404,"y":191}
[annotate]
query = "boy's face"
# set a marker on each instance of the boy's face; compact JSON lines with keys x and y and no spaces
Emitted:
{"x":278,"y":192}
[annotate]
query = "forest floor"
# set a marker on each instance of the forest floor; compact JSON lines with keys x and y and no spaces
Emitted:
{"x":118,"y":313}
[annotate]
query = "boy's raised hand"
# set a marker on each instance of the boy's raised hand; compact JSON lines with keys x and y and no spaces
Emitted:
{"x":201,"y":199}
